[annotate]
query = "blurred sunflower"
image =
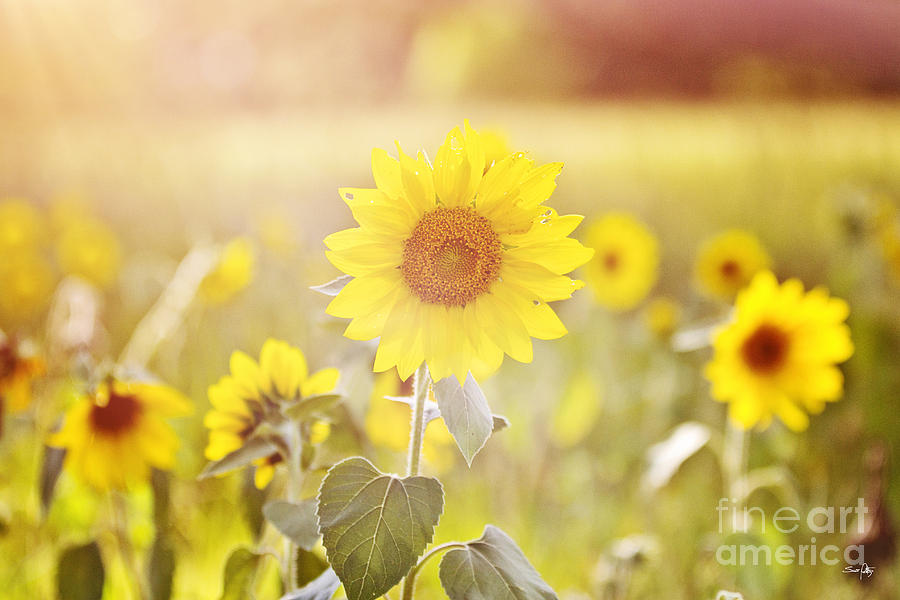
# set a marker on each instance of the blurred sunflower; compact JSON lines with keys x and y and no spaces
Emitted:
{"x":451,"y":265}
{"x":27,"y":284}
{"x":662,"y":316}
{"x":21,"y":225}
{"x":626,"y":261}
{"x":17,"y":371}
{"x":728,"y":261}
{"x":232,"y":274}
{"x":88,"y":248}
{"x":255,"y":393}
{"x":778,"y":355}
{"x":114,"y":435}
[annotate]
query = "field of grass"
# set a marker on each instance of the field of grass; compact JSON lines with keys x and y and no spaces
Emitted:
{"x":567,"y":479}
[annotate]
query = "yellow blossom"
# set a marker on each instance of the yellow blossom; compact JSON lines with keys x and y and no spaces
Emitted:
{"x":728,"y":261}
{"x":116,"y":434}
{"x":452,"y":265}
{"x":626,"y":261}
{"x":88,"y":248}
{"x":232,"y":274}
{"x":778,"y":355}
{"x":254,"y":393}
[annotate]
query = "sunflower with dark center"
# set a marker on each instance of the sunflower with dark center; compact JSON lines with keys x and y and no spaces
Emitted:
{"x":114,"y":435}
{"x":453,"y":264}
{"x":626,"y":264}
{"x":778,"y":356}
{"x":727,"y":262}
{"x":255,"y":394}
{"x":17,"y":372}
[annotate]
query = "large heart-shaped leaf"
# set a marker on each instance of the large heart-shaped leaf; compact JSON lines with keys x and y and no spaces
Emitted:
{"x":491,"y":568}
{"x":375,"y":526}
{"x":466,"y":412}
{"x":297,"y":522}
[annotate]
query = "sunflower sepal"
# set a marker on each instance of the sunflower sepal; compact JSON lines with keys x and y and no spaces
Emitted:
{"x":333,"y":287}
{"x":255,"y":448}
{"x":311,"y":406}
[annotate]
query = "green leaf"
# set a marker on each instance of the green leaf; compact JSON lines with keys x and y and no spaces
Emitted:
{"x":500,"y":423}
{"x":51,"y":467}
{"x":80,"y":573}
{"x":240,"y":570}
{"x":297,"y":522}
{"x":161,"y":483}
{"x":252,"y":501}
{"x":253,"y":449}
{"x":466,"y":412}
{"x":309,"y":566}
{"x":321,"y":588}
{"x":306,"y":407}
{"x":491,"y":568}
{"x":161,"y":569}
{"x":333,"y":287}
{"x":375,"y":526}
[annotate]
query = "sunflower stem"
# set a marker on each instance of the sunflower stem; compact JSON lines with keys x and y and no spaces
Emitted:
{"x":126,"y":550}
{"x":294,"y":490}
{"x":416,"y":434}
{"x":735,"y":462}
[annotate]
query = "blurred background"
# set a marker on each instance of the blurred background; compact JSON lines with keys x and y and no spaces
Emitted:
{"x":178,"y":123}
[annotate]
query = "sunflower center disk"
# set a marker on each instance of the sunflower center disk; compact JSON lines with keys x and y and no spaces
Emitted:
{"x":119,"y":414}
{"x":765,"y":351}
{"x":451,"y":257}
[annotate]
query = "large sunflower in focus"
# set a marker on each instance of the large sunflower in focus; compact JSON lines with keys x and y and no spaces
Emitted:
{"x":114,"y":435}
{"x":778,"y":356}
{"x":454,"y":265}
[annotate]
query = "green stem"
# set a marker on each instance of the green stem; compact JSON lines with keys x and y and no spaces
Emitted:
{"x":294,"y":489}
{"x":417,"y":432}
{"x":126,"y":550}
{"x":411,"y":576}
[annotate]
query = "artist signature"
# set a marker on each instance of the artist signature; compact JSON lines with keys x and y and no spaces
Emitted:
{"x":862,"y":570}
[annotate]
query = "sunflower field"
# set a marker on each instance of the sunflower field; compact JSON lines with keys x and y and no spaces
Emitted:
{"x":360,"y":302}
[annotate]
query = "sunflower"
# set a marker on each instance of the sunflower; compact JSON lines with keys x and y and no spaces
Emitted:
{"x":254,"y":393}
{"x":114,"y":435}
{"x":88,"y":248}
{"x":626,"y":261}
{"x":17,"y":370}
{"x":452,"y":265}
{"x":21,"y":225}
{"x":779,"y":353}
{"x":661,"y":316}
{"x":232,"y":274}
{"x":26,"y":281}
{"x":728,"y":261}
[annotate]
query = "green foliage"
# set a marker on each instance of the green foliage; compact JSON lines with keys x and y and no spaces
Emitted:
{"x":51,"y":467}
{"x":466,"y":412}
{"x":491,"y":568}
{"x":322,"y":588}
{"x":374,"y":525}
{"x":255,"y":448}
{"x":297,"y":522}
{"x":240,"y":571}
{"x":80,"y":573}
{"x":161,"y":569}
{"x":307,"y":407}
{"x":309,"y":566}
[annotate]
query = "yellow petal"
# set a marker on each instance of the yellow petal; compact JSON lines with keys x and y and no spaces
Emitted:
{"x":321,"y":382}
